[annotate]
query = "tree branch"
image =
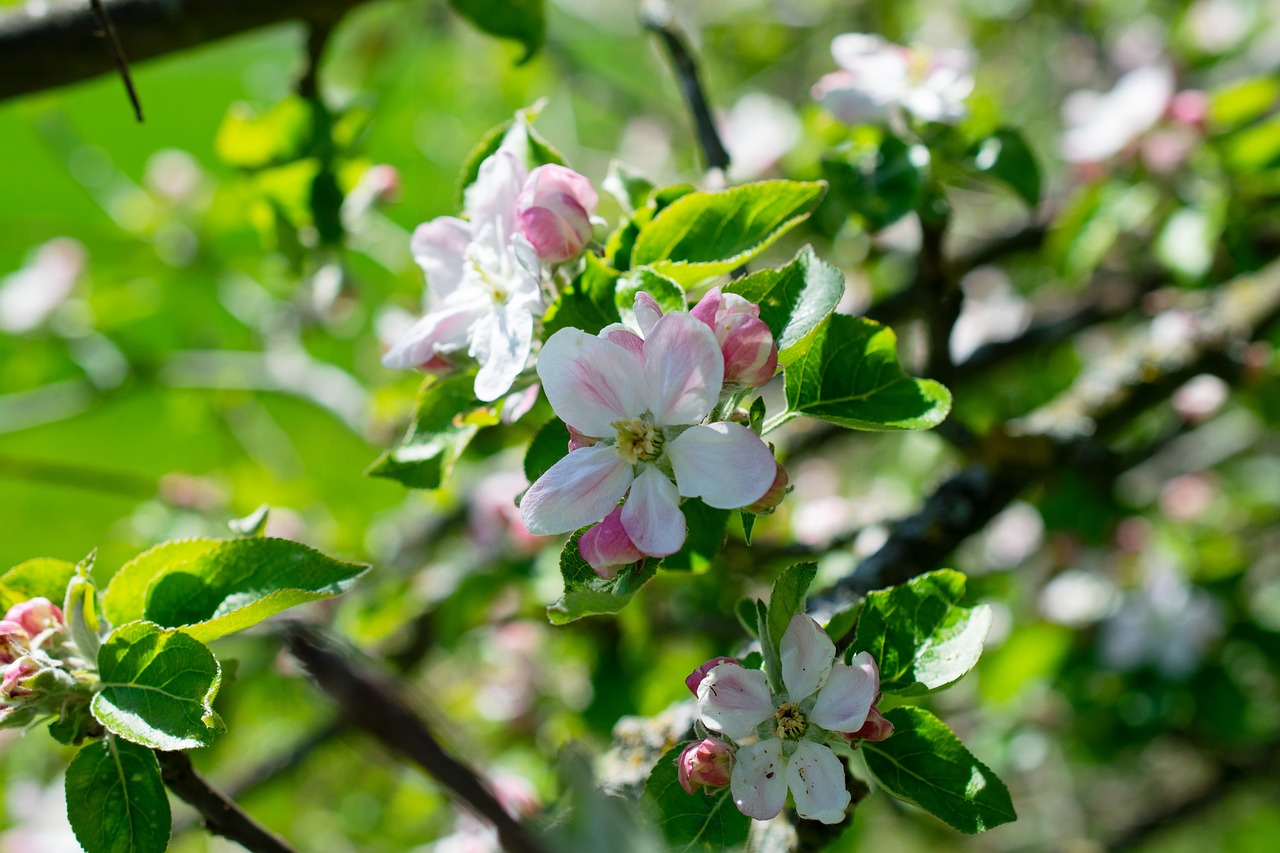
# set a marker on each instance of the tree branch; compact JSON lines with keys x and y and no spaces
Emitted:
{"x":117,"y":53}
{"x":42,"y":47}
{"x":221,"y":815}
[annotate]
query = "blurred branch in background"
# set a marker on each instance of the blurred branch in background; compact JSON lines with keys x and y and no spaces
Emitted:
{"x":43,"y":46}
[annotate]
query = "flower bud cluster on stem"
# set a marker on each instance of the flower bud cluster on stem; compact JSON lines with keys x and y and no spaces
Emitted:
{"x":44,"y":674}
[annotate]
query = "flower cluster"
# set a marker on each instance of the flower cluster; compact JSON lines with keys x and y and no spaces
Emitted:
{"x":639,"y":408}
{"x":36,"y":654}
{"x":486,"y":273}
{"x":764,"y":743}
{"x":878,"y":80}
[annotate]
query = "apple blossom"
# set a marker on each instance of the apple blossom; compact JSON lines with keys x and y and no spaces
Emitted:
{"x":705,"y":764}
{"x":781,"y":737}
{"x":645,"y":410}
{"x":879,"y":78}
{"x":607,"y":547}
{"x":554,"y":210}
{"x":36,"y":615}
{"x":1102,"y":125}
{"x":750,"y":354}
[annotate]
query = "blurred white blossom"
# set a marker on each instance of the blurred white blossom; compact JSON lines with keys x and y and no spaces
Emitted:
{"x":29,"y":296}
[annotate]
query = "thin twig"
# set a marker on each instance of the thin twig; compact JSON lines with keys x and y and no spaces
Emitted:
{"x":372,"y":702}
{"x":117,"y":53}
{"x":657,"y":19}
{"x":221,"y":815}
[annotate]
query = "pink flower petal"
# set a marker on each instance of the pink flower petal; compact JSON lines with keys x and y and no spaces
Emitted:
{"x":684,"y":368}
{"x":843,"y":702}
{"x":734,"y":700}
{"x":807,"y":654}
{"x":439,"y":247}
{"x":580,"y":489}
{"x":647,"y":311}
{"x":759,"y":781}
{"x":816,"y":779}
{"x":727,"y":465}
{"x":591,"y":383}
{"x":652,"y":514}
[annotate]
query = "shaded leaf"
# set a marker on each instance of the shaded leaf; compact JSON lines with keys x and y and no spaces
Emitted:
{"x":588,"y":594}
{"x":550,"y":444}
{"x":1005,"y":156}
{"x":440,"y":431}
{"x":116,"y":800}
{"x":705,"y":820}
{"x":705,"y":525}
{"x":519,"y":20}
{"x":589,"y":303}
{"x":880,"y":181}
{"x":668,"y":294}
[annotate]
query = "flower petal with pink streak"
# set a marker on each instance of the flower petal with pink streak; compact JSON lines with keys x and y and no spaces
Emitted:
{"x":759,"y":780}
{"x":816,"y":779}
{"x":440,"y":247}
{"x":725,"y":464}
{"x":647,"y":311}
{"x":443,"y":331}
{"x":684,"y":368}
{"x":734,"y":700}
{"x":652,"y":516}
{"x":580,"y":489}
{"x":590,"y":382}
{"x":807,"y":654}
{"x":843,"y":702}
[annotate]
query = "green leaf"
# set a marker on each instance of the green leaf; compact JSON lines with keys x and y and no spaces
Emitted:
{"x":588,"y":594}
{"x":116,"y":800}
{"x":80,"y":609}
{"x":589,"y":303}
{"x":43,"y":577}
{"x":621,"y":243}
{"x":706,"y":820}
{"x":920,"y":636}
{"x":628,"y":186}
{"x":252,"y":524}
{"x":1243,"y":101}
{"x":1005,"y":156}
{"x":794,"y":299}
{"x":535,"y":150}
{"x":286,"y":132}
{"x":769,"y":647}
{"x":157,"y":687}
{"x":705,"y":525}
{"x":550,"y":444}
{"x":440,"y":431}
{"x":788,"y":596}
{"x":923,"y":763}
{"x":849,"y":375}
{"x":668,"y":294}
{"x":519,"y":20}
{"x":842,"y":621}
{"x":746,"y":613}
{"x":706,"y":234}
{"x":214,"y":587}
{"x":880,"y":180}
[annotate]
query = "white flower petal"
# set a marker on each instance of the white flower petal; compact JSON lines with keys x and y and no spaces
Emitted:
{"x":807,"y":654}
{"x":685,"y":369}
{"x":591,"y":382}
{"x":759,"y":780}
{"x":491,"y":200}
{"x":438,"y":332}
{"x":734,"y":700}
{"x":843,"y":702}
{"x":509,"y":336}
{"x":816,"y":779}
{"x":439,"y":247}
{"x":580,"y":489}
{"x":727,"y":465}
{"x":651,"y":516}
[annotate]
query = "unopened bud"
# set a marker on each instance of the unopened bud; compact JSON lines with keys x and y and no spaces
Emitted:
{"x":707,"y":764}
{"x":35,"y":615}
{"x":876,"y":728}
{"x":695,"y":678}
{"x":607,"y":547}
{"x":553,"y":212}
{"x":770,"y":500}
{"x":13,"y":641}
{"x":750,"y":353}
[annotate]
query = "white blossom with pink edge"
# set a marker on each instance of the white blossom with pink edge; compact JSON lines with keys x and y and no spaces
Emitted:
{"x":1100,"y":125}
{"x":484,"y":282}
{"x":782,"y":737}
{"x":877,"y":78}
{"x":643,"y":404}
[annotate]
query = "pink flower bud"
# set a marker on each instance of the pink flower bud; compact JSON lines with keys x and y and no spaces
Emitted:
{"x":553,"y":212}
{"x":695,"y":678}
{"x":607,"y":547}
{"x":706,"y":764}
{"x":1189,"y":107}
{"x":36,"y":615}
{"x":384,"y":182}
{"x":15,"y":674}
{"x":13,"y":641}
{"x":769,"y":502}
{"x":750,"y":353}
{"x":876,"y":728}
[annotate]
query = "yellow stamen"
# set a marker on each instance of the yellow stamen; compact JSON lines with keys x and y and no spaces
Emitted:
{"x":790,"y":722}
{"x":637,"y":440}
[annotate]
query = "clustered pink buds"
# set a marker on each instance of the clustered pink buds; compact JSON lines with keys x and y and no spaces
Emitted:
{"x":607,"y":547}
{"x":16,"y":674}
{"x":693,"y":679}
{"x":750,"y":353}
{"x":36,"y":615}
{"x":707,"y":764}
{"x":554,"y":210}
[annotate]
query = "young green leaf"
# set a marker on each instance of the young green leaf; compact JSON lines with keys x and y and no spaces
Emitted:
{"x":628,"y":186}
{"x":214,"y":587}
{"x":923,"y":763}
{"x":669,"y":295}
{"x":1005,"y":156}
{"x":881,"y":182}
{"x":769,"y":647}
{"x":706,"y":234}
{"x":116,"y":800}
{"x":43,"y":577}
{"x":622,"y":242}
{"x":440,"y":431}
{"x":793,"y":299}
{"x":588,"y":594}
{"x":286,"y":132}
{"x":920,"y":636}
{"x":849,"y":375}
{"x":705,"y":820}
{"x":157,"y":688}
{"x":519,"y":20}
{"x":588,"y":303}
{"x":787,"y":599}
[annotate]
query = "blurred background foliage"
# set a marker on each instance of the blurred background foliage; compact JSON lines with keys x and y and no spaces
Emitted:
{"x":193,"y":311}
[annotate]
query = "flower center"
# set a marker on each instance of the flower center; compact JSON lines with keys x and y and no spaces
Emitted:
{"x":637,"y":440}
{"x":789,"y":721}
